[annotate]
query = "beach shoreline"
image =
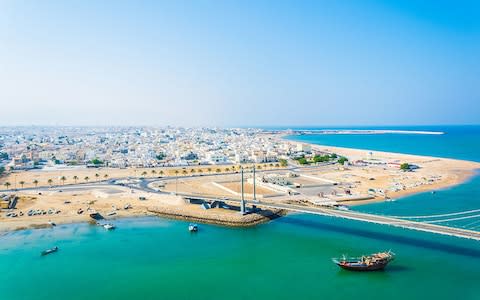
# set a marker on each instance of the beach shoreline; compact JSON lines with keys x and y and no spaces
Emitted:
{"x":463,"y":174}
{"x":451,"y":172}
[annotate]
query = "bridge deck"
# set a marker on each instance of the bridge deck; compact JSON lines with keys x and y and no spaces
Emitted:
{"x":352,"y":215}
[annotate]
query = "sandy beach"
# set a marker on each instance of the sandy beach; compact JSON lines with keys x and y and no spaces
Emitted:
{"x":62,"y":203}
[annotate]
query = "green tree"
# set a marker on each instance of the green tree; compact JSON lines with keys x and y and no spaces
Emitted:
{"x":405,"y":167}
{"x":283,"y":162}
{"x":302,"y":161}
{"x":342,"y":160}
{"x":96,"y":161}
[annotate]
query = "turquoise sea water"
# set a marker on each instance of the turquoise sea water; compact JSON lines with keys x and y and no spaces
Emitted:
{"x":153,"y":258}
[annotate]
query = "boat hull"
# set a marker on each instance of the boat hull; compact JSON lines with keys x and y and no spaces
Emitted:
{"x":362,"y":267}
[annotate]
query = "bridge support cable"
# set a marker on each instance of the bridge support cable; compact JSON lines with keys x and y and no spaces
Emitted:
{"x":452,"y":219}
{"x":436,"y":216}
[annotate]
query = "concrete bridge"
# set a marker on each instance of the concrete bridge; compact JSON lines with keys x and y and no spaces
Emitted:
{"x":357,"y":216}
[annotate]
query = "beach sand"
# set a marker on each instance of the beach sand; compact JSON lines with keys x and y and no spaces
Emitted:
{"x":434,"y":173}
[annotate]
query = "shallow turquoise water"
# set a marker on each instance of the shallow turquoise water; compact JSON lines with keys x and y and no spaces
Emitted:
{"x":153,"y":258}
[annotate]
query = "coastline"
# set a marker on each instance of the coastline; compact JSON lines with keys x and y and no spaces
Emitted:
{"x":460,"y":174}
{"x":452,"y":172}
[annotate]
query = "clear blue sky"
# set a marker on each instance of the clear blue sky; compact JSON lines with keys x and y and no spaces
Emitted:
{"x":229,"y":63}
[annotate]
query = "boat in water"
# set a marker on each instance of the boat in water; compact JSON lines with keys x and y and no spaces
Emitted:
{"x":108,"y":226}
{"x":193,"y":227}
{"x":373,"y":262}
{"x":49,"y":251}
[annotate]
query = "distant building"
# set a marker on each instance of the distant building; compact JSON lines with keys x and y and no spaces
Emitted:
{"x":304,"y":148}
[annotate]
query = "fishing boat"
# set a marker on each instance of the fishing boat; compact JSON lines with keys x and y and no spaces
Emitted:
{"x":48,"y":251}
{"x":193,"y":227}
{"x":373,"y":262}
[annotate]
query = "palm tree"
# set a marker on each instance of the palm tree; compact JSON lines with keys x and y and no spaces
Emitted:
{"x":105,"y":176}
{"x":97,"y":175}
{"x":86,"y":178}
{"x":50,"y":181}
{"x":271,"y":165}
{"x":218,"y":170}
{"x":184,"y":172}
{"x":22,"y":183}
{"x":154,"y":172}
{"x":259,"y":167}
{"x":63,"y":178}
{"x":277,"y":165}
{"x":161,"y":172}
{"x":176,"y":172}
{"x":233,"y":168}
{"x":227,"y":169}
{"x":35,"y":182}
{"x":200,"y":171}
{"x":75,"y":178}
{"x":209,"y":170}
{"x":7,"y":184}
{"x":192,"y":171}
{"x":144,"y":173}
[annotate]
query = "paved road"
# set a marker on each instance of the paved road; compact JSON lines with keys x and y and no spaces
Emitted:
{"x":352,"y":215}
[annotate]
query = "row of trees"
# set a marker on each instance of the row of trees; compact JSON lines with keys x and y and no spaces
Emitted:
{"x":50,"y":181}
{"x":321,"y":158}
{"x":282,"y":163}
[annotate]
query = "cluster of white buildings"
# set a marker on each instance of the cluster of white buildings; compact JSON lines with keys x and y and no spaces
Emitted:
{"x":121,"y":147}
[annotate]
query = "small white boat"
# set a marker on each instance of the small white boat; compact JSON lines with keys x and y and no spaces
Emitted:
{"x":49,"y":251}
{"x":52,"y":223}
{"x":112,"y":213}
{"x":193,"y":227}
{"x":108,"y":226}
